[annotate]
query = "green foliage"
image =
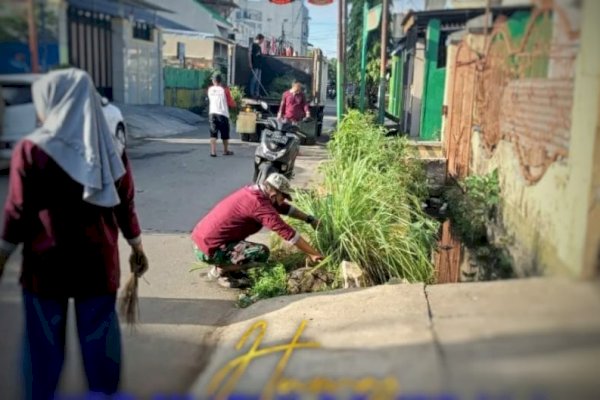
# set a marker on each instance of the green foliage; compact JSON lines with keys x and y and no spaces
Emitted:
{"x":472,"y":205}
{"x":269,"y":281}
{"x":237,"y":93}
{"x":209,"y":76}
{"x":369,"y":205}
{"x":332,"y":70}
{"x":373,"y":65}
{"x":14,"y":26}
{"x":494,"y":262}
{"x":354,"y":39}
{"x":279,"y":85}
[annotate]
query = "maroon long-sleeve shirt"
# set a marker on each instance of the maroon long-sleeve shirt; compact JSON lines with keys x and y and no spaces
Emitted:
{"x":239,"y":215}
{"x":70,"y":247}
{"x":293,"y":106}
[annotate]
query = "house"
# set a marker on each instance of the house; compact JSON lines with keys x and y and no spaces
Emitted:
{"x":196,"y":16}
{"x":196,"y":39}
{"x":196,"y":35}
{"x":418,"y":66}
{"x":283,"y":25}
{"x":115,"y":41}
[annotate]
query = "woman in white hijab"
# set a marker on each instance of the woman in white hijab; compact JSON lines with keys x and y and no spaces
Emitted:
{"x":70,"y":192}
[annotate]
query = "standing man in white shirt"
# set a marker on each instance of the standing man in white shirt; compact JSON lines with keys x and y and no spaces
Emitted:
{"x":220,"y":100}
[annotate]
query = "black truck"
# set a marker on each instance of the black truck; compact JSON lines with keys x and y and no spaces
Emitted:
{"x":278,"y":72}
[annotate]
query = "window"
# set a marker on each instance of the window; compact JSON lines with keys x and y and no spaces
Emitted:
{"x":15,"y":94}
{"x":142,"y":31}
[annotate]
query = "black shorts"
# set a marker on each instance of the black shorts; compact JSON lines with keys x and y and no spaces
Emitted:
{"x":219,"y":124}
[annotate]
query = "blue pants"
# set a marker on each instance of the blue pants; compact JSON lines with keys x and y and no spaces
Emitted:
{"x":44,"y":343}
{"x":255,"y":81}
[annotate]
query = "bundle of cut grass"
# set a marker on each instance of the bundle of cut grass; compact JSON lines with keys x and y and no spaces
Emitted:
{"x":129,"y":306}
{"x":370,"y":213}
{"x":129,"y":301}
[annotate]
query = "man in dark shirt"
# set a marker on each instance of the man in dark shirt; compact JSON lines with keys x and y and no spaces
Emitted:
{"x":219,"y":238}
{"x":294,"y":106}
{"x":255,"y":60}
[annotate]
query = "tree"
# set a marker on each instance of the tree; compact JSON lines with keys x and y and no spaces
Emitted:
{"x":354,"y":41}
{"x":332,"y":70}
{"x":14,"y":25}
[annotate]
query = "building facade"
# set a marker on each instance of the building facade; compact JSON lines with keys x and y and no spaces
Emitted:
{"x":116,"y":42}
{"x":284,"y":26}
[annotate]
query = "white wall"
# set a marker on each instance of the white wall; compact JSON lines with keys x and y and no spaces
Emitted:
{"x":137,"y":66}
{"x":273,"y":16}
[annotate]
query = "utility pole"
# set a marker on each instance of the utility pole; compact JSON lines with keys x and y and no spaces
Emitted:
{"x":341,"y":59}
{"x":33,"y":44}
{"x":384,"y":40}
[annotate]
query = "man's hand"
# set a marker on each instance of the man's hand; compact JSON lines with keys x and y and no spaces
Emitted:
{"x":315,"y":257}
{"x":138,"y":262}
{"x":307,"y":115}
{"x":314,"y":222}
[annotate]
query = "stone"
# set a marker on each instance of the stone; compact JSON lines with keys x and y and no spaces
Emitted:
{"x":353,"y":275}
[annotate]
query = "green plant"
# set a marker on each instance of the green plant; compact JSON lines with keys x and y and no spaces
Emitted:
{"x":268,"y":281}
{"x":369,"y":205}
{"x":279,"y":85}
{"x":237,"y":93}
{"x":210,"y":73}
{"x":472,"y":205}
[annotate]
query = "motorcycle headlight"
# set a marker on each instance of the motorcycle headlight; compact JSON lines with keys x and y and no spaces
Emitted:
{"x":272,"y":146}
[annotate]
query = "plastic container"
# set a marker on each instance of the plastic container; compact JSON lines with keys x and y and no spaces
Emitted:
{"x":246,"y":122}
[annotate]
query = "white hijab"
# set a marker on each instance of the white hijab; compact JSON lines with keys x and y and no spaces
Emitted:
{"x":75,"y":134}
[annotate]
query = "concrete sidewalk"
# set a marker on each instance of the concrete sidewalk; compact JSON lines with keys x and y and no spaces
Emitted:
{"x":151,"y":120}
{"x":521,"y":339}
{"x":179,"y":311}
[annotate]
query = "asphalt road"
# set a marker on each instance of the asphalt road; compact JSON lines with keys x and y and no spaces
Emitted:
{"x":177,"y":182}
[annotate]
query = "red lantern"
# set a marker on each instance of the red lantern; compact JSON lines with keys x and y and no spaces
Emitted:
{"x":320,"y":2}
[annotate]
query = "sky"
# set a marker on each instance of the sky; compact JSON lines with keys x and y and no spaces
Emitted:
{"x":323,"y":23}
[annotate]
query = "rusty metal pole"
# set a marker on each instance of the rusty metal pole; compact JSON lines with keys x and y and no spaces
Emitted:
{"x":384,"y":40}
{"x":33,"y":43}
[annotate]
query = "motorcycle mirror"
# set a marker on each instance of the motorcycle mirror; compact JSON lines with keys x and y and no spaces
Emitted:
{"x":264,"y":105}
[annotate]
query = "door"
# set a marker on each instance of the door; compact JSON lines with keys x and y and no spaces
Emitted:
{"x":457,"y":143}
{"x":90,"y":46}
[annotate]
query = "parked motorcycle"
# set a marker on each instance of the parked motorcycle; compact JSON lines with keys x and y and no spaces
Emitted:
{"x":278,"y":149}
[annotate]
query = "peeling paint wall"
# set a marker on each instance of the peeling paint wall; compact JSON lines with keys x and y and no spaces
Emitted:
{"x":544,"y":140}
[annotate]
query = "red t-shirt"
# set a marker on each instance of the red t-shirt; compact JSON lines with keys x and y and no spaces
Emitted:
{"x":293,"y":106}
{"x":241,"y":214}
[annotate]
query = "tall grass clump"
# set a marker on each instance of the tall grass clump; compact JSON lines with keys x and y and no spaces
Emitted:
{"x":369,"y":205}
